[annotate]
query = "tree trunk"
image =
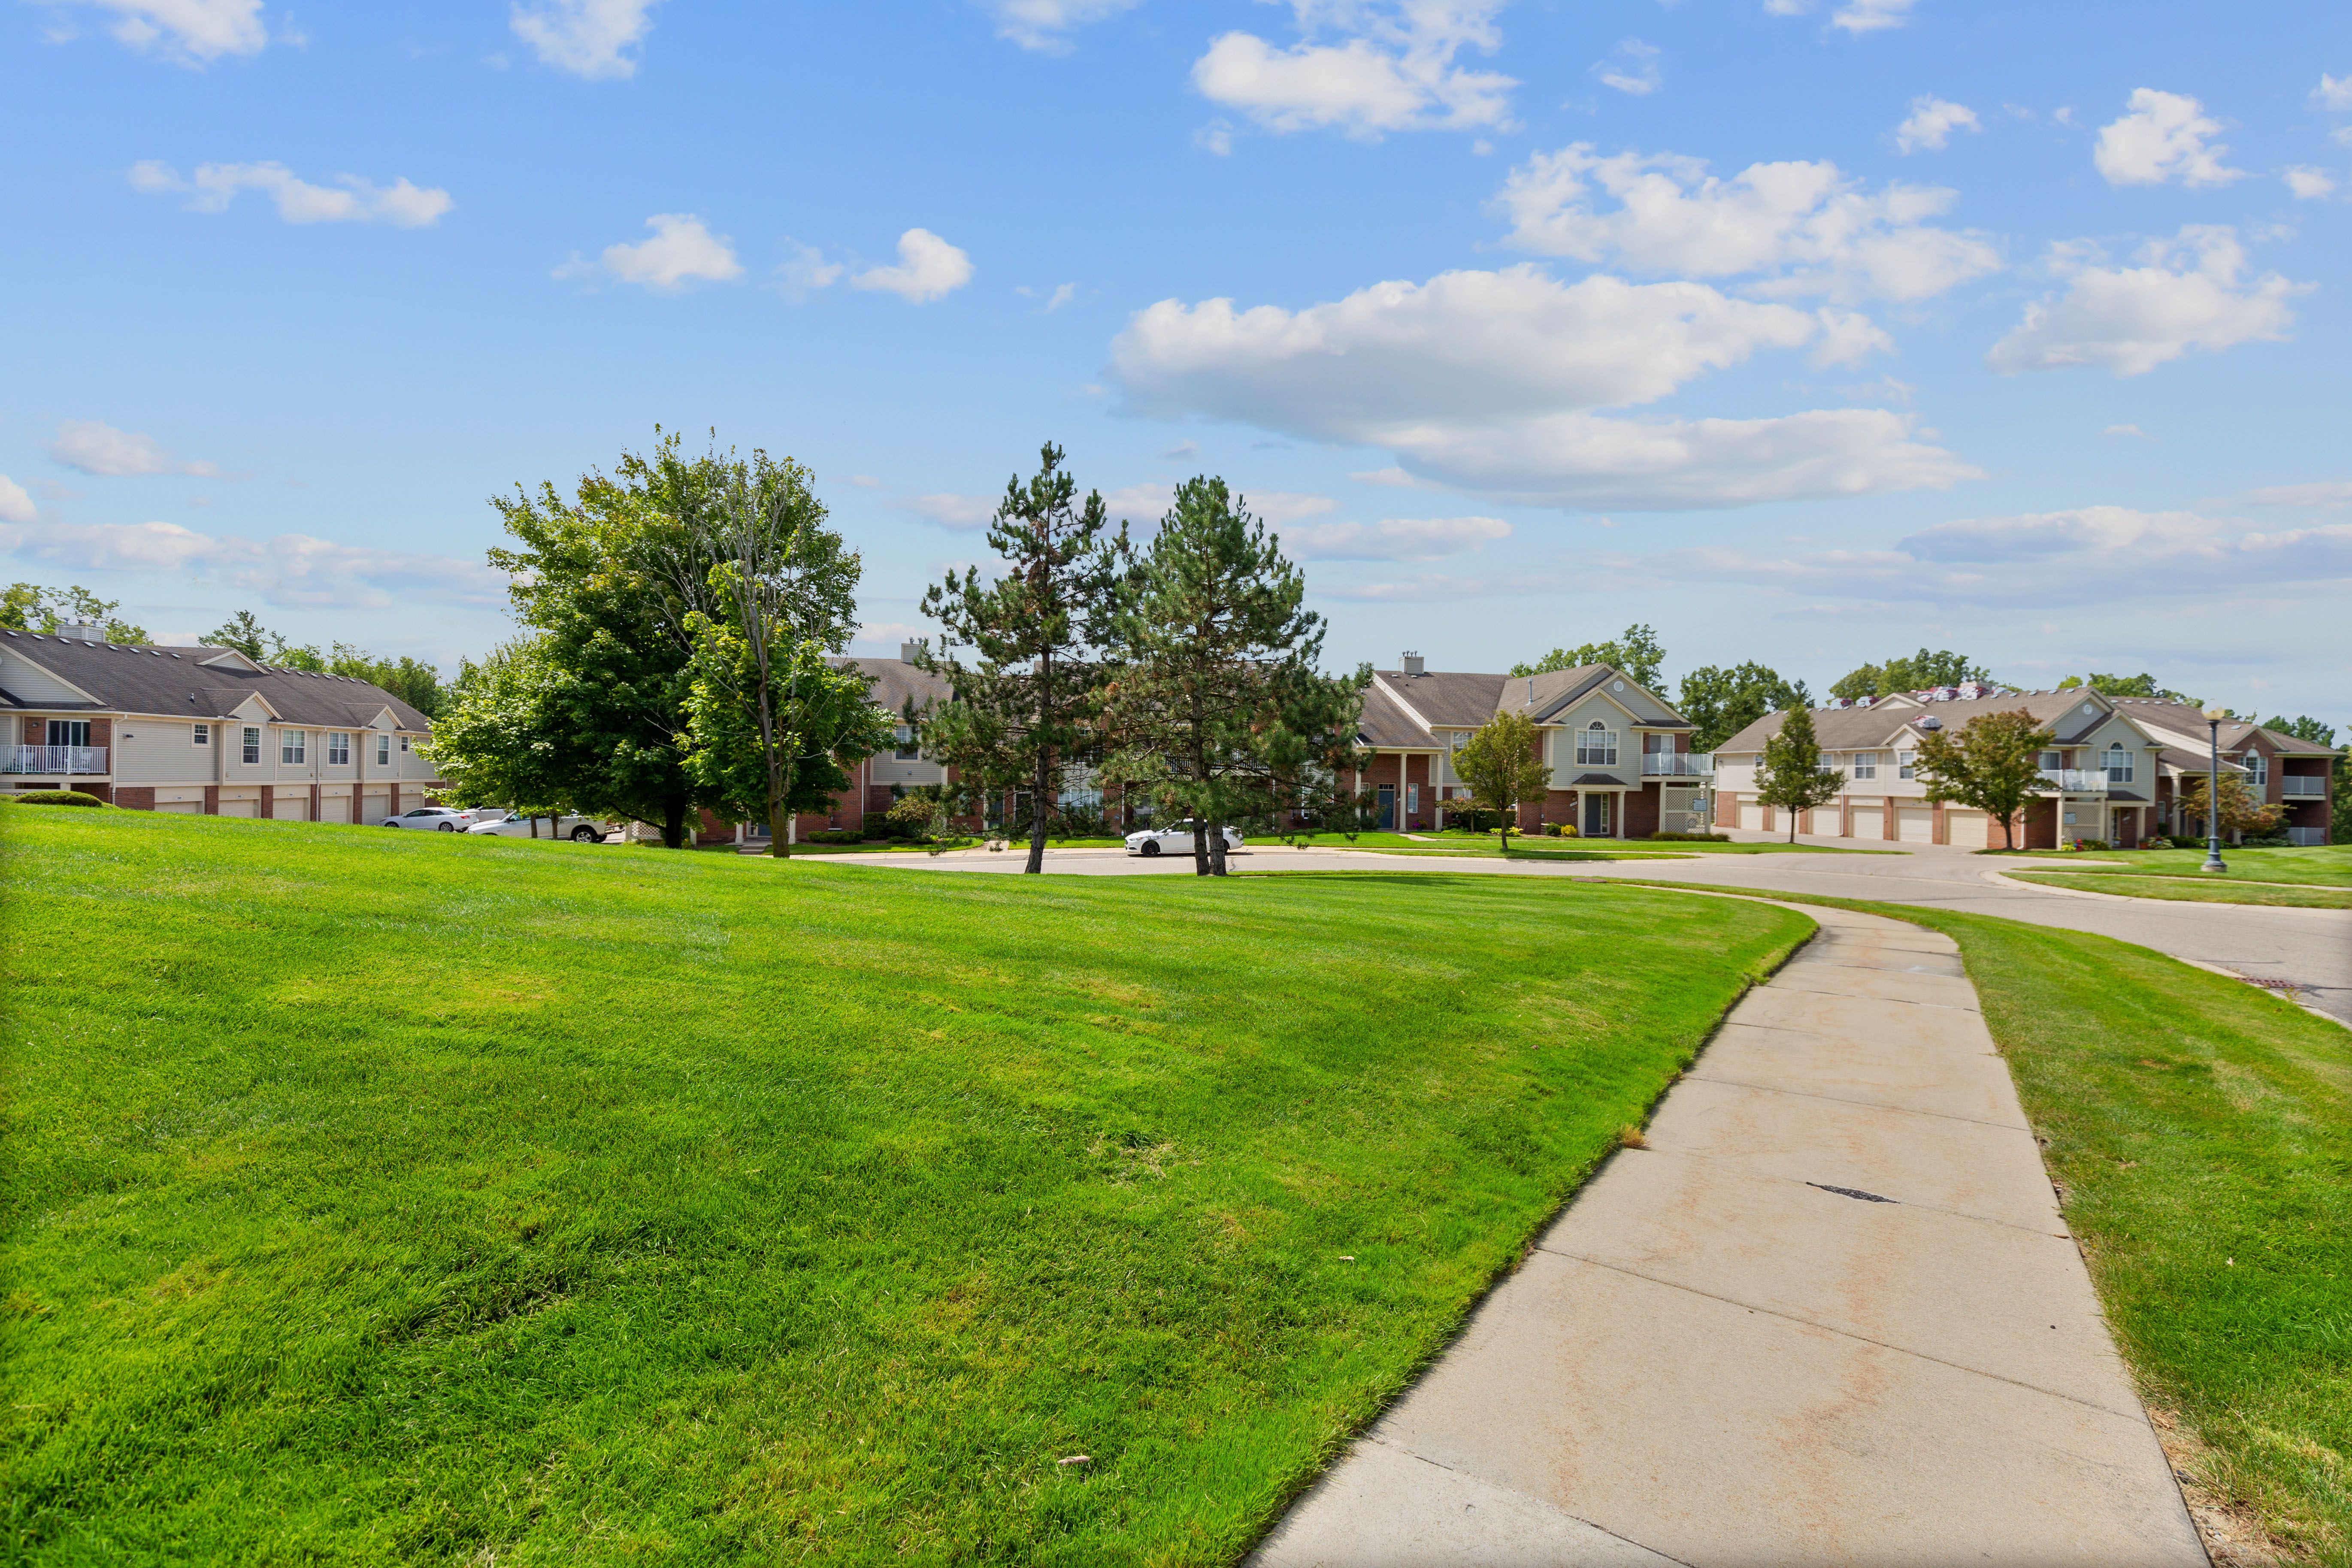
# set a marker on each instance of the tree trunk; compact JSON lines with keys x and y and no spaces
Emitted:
{"x":1216,"y":840}
{"x":674,"y":823}
{"x":1036,"y":862}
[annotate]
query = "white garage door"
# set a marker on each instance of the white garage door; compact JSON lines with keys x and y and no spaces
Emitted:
{"x":374,"y":806}
{"x":1751,"y":818}
{"x":240,"y":809}
{"x":297,"y":809}
{"x":1869,"y":822}
{"x":335,"y":808}
{"x":1966,"y":829}
{"x":1915,"y":823}
{"x":181,"y":807}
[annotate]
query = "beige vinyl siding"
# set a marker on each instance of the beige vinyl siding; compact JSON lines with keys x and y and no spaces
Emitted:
{"x":159,"y":752}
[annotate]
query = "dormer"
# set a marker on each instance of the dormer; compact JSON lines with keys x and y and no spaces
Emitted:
{"x":230,"y":658}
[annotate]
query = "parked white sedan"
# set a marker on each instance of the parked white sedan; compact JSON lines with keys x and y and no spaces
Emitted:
{"x":1176,"y":838}
{"x":436,"y":818}
{"x":579,"y":829}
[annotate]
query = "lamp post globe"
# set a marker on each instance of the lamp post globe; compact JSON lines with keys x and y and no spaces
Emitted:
{"x":2213,"y":717}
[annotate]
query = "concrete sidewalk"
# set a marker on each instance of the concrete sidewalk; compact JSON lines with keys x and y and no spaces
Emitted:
{"x":1829,"y":1314}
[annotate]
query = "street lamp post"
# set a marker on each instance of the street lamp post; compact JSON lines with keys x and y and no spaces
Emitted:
{"x":2213,"y":717}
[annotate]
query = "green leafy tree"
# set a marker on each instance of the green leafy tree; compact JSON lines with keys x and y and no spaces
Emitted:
{"x":1790,"y":774}
{"x":28,"y":607}
{"x":1993,"y":764}
{"x":773,"y":722}
{"x":491,"y":741}
{"x":1502,"y":762}
{"x":2303,"y":727}
{"x":1028,"y":707}
{"x":242,"y":632}
{"x":2243,"y":811}
{"x":2140,"y":685}
{"x":1915,"y":673}
{"x":1218,"y":709}
{"x":1721,"y":702}
{"x":1633,"y":654}
{"x":2339,"y":815}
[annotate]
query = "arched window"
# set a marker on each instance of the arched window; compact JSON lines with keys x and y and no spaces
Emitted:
{"x":1596,"y":746}
{"x":2118,"y":763}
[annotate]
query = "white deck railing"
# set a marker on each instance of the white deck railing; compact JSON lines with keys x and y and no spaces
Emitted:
{"x":2076,"y":781}
{"x":52,"y":759}
{"x":1677,"y":764}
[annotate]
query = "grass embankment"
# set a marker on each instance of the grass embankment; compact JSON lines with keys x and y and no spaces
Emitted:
{"x":2200,"y":1132}
{"x":2184,"y":889}
{"x":401,"y":1197}
{"x":1535,"y":847}
{"x":2323,"y":866}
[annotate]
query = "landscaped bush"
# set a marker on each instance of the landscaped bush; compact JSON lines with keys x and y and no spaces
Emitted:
{"x":832,"y":835}
{"x":1692,"y":838}
{"x":2180,"y":841}
{"x":53,"y":798}
{"x":2093,"y":844}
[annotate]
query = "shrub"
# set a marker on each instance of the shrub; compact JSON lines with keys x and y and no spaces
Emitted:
{"x":54,"y":797}
{"x":2182,"y":841}
{"x":2093,"y":844}
{"x":1692,"y":838}
{"x":832,"y":835}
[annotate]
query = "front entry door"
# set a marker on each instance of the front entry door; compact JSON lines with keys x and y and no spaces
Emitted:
{"x":1388,"y":808}
{"x":1596,"y":816}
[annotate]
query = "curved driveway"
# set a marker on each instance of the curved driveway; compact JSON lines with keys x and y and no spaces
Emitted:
{"x":2311,"y":949}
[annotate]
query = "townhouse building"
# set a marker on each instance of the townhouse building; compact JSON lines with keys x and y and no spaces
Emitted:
{"x":1620,"y":756}
{"x":2114,"y":771}
{"x":205,"y":730}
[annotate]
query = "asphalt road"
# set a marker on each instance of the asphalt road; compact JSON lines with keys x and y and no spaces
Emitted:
{"x":2309,"y":948}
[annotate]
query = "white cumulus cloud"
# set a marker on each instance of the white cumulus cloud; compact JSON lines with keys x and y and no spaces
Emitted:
{"x":97,"y":449}
{"x":588,"y":39}
{"x":1871,"y":16}
{"x":349,"y":199}
{"x":292,"y":570}
{"x":928,"y":267}
{"x":1394,"y":539}
{"x":2185,"y":295}
{"x":2163,"y":137}
{"x":186,"y":32}
{"x":15,"y":506}
{"x":1363,"y":67}
{"x":1485,"y":381}
{"x":681,"y":251}
{"x":1931,"y":122}
{"x":1046,"y":25}
{"x":2309,"y":185}
{"x":1799,"y":228}
{"x":1632,"y":68}
{"x":2326,"y":492}
{"x":952,"y":511}
{"x":2332,"y":94}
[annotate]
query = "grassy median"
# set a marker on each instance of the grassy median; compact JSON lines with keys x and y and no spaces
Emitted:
{"x":405,"y":1197}
{"x":2186,"y":890}
{"x":2323,"y":866}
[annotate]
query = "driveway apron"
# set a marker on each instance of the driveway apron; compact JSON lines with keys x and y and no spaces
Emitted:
{"x":1829,"y":1313}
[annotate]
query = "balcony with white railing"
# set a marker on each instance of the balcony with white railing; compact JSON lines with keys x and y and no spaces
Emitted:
{"x":2303,"y":786}
{"x":2076,"y":781}
{"x":1677,"y":764}
{"x":52,"y":759}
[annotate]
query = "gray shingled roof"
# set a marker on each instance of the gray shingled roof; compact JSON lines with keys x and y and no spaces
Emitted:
{"x":1853,"y":729}
{"x":2235,"y":732}
{"x":137,"y":677}
{"x":897,"y":682}
{"x":1387,"y":725}
{"x":1451,"y":699}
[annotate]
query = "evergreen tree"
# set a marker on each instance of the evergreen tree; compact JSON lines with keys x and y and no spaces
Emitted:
{"x":1503,"y":764}
{"x":1218,"y":710}
{"x":1027,"y":708}
{"x":1790,"y":774}
{"x":1993,"y":764}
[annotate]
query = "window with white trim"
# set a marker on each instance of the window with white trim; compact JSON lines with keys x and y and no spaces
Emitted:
{"x":403,"y":742}
{"x":203,"y":736}
{"x":250,"y":753}
{"x":2118,"y":763}
{"x":908,"y":750}
{"x":2053,"y":761}
{"x":339,"y":748}
{"x":382,"y":751}
{"x":1596,"y":746}
{"x":292,"y":746}
{"x":1906,"y":764}
{"x":2258,"y":769}
{"x":1865,"y":764}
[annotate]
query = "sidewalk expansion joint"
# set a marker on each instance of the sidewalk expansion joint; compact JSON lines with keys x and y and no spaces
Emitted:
{"x":1898,"y":1001}
{"x":1967,"y":1215}
{"x":1841,"y":1099}
{"x":1815,"y":1034}
{"x":1548,"y":1507}
{"x":1845,"y":1333}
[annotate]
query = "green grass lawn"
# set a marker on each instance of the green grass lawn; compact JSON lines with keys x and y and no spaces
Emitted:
{"x":2200,"y":1132}
{"x":2188,"y":889}
{"x":2327,"y":866}
{"x":404,"y":1197}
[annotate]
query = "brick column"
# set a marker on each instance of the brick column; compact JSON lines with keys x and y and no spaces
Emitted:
{"x":314,"y":802}
{"x":269,"y":802}
{"x":211,"y":800}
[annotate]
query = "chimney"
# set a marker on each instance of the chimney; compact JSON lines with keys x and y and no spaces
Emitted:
{"x":907,"y":652}
{"x":82,"y":631}
{"x":1413,"y":664}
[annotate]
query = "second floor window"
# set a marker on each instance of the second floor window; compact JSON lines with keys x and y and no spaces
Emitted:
{"x":1905,"y":764}
{"x":203,"y":736}
{"x":2118,"y":763}
{"x":1596,"y":747}
{"x":1865,"y":764}
{"x":2258,"y":769}
{"x":250,"y":753}
{"x":908,"y":750}
{"x":338,"y":748}
{"x":382,"y":750}
{"x":2053,"y":761}
{"x":69,"y":732}
{"x":292,"y":746}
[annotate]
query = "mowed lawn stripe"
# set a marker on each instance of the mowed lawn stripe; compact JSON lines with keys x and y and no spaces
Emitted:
{"x":395,"y":1197}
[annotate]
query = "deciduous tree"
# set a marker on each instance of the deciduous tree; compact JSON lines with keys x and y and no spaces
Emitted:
{"x":1633,"y":654}
{"x":1502,"y":762}
{"x":1721,"y":702}
{"x":2242,"y":810}
{"x":1993,"y":764}
{"x":1790,"y":775}
{"x":28,"y":607}
{"x":1916,"y":672}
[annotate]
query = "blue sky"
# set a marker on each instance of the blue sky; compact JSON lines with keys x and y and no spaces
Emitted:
{"x":1806,"y":330}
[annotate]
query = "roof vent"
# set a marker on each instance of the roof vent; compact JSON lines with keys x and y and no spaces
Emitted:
{"x":907,"y":652}
{"x":1414,"y":664}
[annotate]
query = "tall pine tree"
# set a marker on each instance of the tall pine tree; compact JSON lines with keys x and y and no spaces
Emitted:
{"x":1028,"y":708}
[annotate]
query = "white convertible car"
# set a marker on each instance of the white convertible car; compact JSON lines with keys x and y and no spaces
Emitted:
{"x":1176,"y":838}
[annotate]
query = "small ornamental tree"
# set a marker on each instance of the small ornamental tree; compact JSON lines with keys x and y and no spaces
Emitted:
{"x":1993,"y":764}
{"x":1790,"y":775}
{"x":1503,"y":764}
{"x":2243,"y":811}
{"x":1028,"y":708}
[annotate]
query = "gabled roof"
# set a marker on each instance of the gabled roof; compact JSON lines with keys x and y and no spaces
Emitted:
{"x":897,"y":682}
{"x":1391,"y":724}
{"x":1446,"y":699}
{"x":2181,"y":720}
{"x":1878,"y":725}
{"x":138,"y":677}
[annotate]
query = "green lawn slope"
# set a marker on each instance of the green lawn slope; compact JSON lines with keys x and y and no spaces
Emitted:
{"x":380,"y":1197}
